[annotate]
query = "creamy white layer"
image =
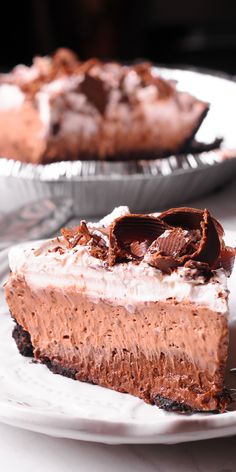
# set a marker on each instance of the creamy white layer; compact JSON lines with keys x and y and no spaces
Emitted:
{"x":10,"y":97}
{"x":126,"y":283}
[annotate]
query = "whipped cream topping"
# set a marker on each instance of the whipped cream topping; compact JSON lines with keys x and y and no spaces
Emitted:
{"x":24,"y":74}
{"x":47,"y":92}
{"x":43,"y":265}
{"x":11,"y":96}
{"x":116,"y":213}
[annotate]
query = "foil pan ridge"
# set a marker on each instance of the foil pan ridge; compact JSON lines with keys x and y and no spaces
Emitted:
{"x":79,"y":170}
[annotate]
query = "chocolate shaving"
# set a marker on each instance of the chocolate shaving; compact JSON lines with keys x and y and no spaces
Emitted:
{"x":77,"y":235}
{"x":138,"y":249}
{"x":94,"y":89}
{"x":158,"y":260}
{"x":164,"y":87}
{"x":64,"y":62}
{"x":85,"y":67}
{"x":201,"y":266}
{"x":166,"y":251}
{"x":226,"y":259}
{"x":198,"y":269}
{"x":98,"y":248}
{"x":175,"y":242}
{"x":81,"y":235}
{"x":59,"y":249}
{"x":128,"y":229}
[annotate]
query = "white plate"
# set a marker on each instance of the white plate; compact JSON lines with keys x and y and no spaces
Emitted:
{"x":33,"y":398}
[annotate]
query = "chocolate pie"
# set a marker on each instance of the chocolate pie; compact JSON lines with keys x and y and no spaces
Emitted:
{"x":63,"y":109}
{"x":135,"y":303}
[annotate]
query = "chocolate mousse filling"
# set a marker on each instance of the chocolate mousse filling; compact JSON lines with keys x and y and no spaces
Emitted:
{"x":138,"y":305}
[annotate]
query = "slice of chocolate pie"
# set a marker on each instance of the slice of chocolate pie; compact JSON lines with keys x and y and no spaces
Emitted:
{"x":63,"y":109}
{"x":135,"y":303}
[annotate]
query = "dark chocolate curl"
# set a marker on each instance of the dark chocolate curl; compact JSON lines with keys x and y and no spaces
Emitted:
{"x":200,"y":242}
{"x":77,"y":235}
{"x":188,"y":218}
{"x":208,"y":248}
{"x":128,"y":229}
{"x":226,"y":259}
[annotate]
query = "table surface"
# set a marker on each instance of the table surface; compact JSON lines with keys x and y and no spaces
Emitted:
{"x":26,"y":451}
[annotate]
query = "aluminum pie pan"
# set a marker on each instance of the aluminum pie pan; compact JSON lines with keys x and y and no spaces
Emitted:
{"x":95,"y":187}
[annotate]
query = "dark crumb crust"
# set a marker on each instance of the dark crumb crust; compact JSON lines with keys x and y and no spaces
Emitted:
{"x":23,"y":342}
{"x":59,"y":369}
{"x":180,"y":407}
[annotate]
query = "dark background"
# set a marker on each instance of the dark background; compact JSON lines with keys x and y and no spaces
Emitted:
{"x":199,"y":32}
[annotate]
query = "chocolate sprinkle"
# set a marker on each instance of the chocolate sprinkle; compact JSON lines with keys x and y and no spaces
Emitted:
{"x":94,"y":89}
